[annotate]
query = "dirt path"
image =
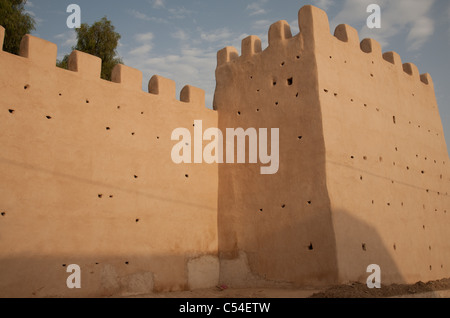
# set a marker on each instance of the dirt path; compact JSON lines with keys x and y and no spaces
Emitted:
{"x":352,"y":290}
{"x":358,"y":290}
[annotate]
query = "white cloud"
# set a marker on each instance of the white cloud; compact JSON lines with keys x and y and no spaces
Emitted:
{"x":448,"y":19}
{"x":216,"y":35}
{"x":180,"y":35}
{"x":420,"y":32}
{"x":141,"y":50}
{"x":397,"y":17}
{"x":144,"y":47}
{"x":138,"y":15}
{"x":294,"y":27}
{"x":262,"y":24}
{"x":179,"y":12}
{"x":256,"y":8}
{"x":158,"y":4}
{"x":144,"y":17}
{"x":193,"y":63}
{"x":323,"y":4}
{"x":144,"y":37}
{"x":237,"y":40}
{"x":29,"y":4}
{"x":33,"y":15}
{"x":67,"y":39}
{"x":190,"y":65}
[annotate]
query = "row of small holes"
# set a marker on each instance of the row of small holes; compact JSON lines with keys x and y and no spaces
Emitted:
{"x":239,"y":113}
{"x":407,"y":167}
{"x":283,"y":63}
{"x":126,"y":263}
{"x":394,"y":246}
{"x":136,"y":177}
{"x":101,"y":196}
{"x":283,"y":206}
{"x":402,"y":204}
{"x":364,"y":248}
{"x":289,"y":82}
{"x":345,"y":62}
{"x":377,"y":109}
{"x":118,"y":107}
{"x":12,"y":111}
{"x":389,"y":204}
{"x":132,"y":134}
{"x":27,"y":86}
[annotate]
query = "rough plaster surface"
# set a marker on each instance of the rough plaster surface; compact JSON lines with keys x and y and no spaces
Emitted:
{"x":88,"y":179}
{"x":236,"y":273}
{"x":364,"y":169}
{"x":87,"y":176}
{"x":203,"y":272}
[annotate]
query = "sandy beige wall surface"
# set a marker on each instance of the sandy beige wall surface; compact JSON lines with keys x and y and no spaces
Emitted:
{"x":387,"y":163}
{"x":88,"y":179}
{"x":279,"y":226}
{"x":372,"y":160}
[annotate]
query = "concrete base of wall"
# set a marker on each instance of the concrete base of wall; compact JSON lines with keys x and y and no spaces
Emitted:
{"x":236,"y":273}
{"x":203,"y":272}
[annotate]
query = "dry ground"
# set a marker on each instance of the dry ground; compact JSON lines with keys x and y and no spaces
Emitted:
{"x":358,"y":290}
{"x":434,"y":289}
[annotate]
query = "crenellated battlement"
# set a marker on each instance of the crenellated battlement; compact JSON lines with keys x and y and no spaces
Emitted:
{"x":312,"y":22}
{"x":315,"y":30}
{"x":348,"y":34}
{"x":362,"y":148}
{"x":90,"y":161}
{"x":88,"y":67}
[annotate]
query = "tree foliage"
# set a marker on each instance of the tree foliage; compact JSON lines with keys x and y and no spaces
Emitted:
{"x":17,"y":22}
{"x":101,"y":40}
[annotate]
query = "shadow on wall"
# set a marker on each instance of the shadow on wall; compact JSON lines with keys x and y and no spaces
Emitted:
{"x":359,"y":245}
{"x":105,"y":276}
{"x":46,"y":276}
{"x":341,"y":258}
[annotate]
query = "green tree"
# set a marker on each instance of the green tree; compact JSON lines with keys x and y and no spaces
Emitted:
{"x":101,"y":40}
{"x":16,"y":21}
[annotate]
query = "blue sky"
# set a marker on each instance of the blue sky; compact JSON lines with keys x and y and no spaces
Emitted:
{"x":179,"y":39}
